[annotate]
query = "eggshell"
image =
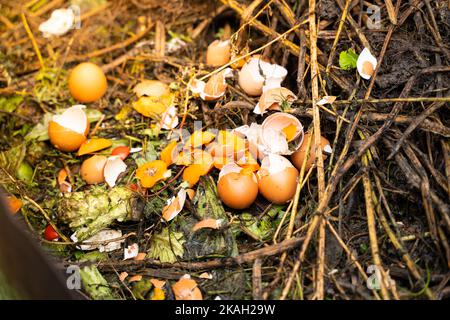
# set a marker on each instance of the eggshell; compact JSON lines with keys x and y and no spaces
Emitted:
{"x":68,"y":131}
{"x":366,"y":64}
{"x":258,"y":75}
{"x":273,"y":98}
{"x":279,"y":121}
{"x":92,"y":169}
{"x":237,"y":190}
{"x":218,"y":53}
{"x":214,"y":88}
{"x":186,"y":289}
{"x":298,"y":156}
{"x":113,"y":168}
{"x":64,"y":139}
{"x":87,"y":82}
{"x":151,"y":88}
{"x":250,"y":79}
{"x":277,"y":179}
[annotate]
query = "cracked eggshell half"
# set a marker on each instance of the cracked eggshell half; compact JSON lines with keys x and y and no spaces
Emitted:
{"x":366,"y":64}
{"x":277,"y":179}
{"x":218,"y":53}
{"x":237,"y":187}
{"x":257,"y":76}
{"x":68,"y":131}
{"x":92,"y":169}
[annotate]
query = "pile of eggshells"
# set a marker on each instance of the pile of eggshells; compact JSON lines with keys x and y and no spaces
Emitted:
{"x":279,"y":143}
{"x":68,"y":131}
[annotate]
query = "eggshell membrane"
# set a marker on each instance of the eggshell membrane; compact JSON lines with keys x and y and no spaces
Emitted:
{"x":87,"y":82}
{"x":218,"y":53}
{"x":237,"y":191}
{"x":298,"y":156}
{"x":92,"y":169}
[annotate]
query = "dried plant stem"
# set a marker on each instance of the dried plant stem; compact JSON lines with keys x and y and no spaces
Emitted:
{"x":33,"y":40}
{"x":338,"y":34}
{"x":373,"y":231}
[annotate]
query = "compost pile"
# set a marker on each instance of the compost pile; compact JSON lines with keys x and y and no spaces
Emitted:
{"x":230,"y":149}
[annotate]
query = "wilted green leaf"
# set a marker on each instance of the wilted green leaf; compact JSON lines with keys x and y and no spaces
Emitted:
{"x":166,"y":246}
{"x":95,"y":285}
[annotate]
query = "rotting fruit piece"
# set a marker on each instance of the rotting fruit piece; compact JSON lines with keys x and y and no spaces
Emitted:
{"x":151,"y":172}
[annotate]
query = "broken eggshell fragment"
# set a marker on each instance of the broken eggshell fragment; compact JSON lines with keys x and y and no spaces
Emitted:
{"x":174,"y":206}
{"x":113,"y":168}
{"x":59,"y":23}
{"x":273,"y":99}
{"x":214,"y":88}
{"x":298,"y":156}
{"x":151,"y":88}
{"x":169,"y":119}
{"x":186,"y":289}
{"x":258,"y":75}
{"x":366,"y":64}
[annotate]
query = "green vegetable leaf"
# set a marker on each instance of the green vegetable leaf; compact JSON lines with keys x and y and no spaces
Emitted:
{"x":347,"y":59}
{"x":166,"y":246}
{"x":96,"y":286}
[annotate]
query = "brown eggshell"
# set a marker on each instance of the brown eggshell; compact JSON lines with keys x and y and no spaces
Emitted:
{"x":218,"y":53}
{"x":65,"y":139}
{"x":237,"y":191}
{"x":280,"y":187}
{"x":215,"y":87}
{"x":186,"y":289}
{"x":87,"y":82}
{"x":298,"y":156}
{"x":92,"y":169}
